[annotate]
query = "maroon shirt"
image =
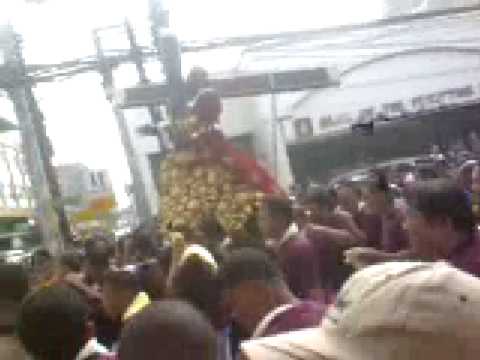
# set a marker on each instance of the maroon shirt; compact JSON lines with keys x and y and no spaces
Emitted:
{"x":301,"y":315}
{"x":108,"y":357}
{"x":298,"y":259}
{"x":394,"y":237}
{"x":384,"y":232}
{"x":467,"y":257}
{"x":330,"y":244}
{"x":372,"y":226}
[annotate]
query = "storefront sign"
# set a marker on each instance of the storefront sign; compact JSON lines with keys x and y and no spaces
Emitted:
{"x":304,"y":127}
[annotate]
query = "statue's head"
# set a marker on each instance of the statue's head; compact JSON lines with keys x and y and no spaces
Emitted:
{"x":208,"y":106}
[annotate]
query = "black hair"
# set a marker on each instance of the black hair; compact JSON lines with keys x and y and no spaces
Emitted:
{"x":122,"y":280}
{"x":442,"y":198}
{"x":321,"y":196}
{"x":378,"y":181}
{"x":52,"y":323}
{"x":356,"y":188}
{"x":279,"y":207}
{"x":42,"y":253}
{"x":249,"y":264}
{"x":152,"y":279}
{"x":198,"y":283}
{"x":41,"y":256}
{"x":72,"y":261}
{"x":170,"y":330}
{"x":98,"y":252}
{"x":142,"y":240}
{"x":13,"y":282}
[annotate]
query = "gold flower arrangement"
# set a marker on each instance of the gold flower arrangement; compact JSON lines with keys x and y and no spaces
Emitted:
{"x":192,"y":191}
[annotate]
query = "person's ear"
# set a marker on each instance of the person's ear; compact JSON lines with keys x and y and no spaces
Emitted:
{"x":89,"y":330}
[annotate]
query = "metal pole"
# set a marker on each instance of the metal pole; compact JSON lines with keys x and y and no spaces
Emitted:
{"x":46,"y":156}
{"x":44,"y":209}
{"x":141,"y":201}
{"x":53,"y":222}
{"x":169,"y":51}
{"x":136,"y":53}
{"x":274,"y":121}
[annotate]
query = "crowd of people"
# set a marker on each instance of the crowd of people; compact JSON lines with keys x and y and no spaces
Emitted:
{"x":350,"y":272}
{"x":383,"y":268}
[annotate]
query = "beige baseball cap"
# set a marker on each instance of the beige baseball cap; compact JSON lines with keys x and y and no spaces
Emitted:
{"x":397,"y":310}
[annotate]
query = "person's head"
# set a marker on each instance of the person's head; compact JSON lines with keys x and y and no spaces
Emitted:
{"x":53,"y":323}
{"x":211,"y":232}
{"x":97,"y":259}
{"x":348,"y":197}
{"x":476,"y":179}
{"x":119,"y":290}
{"x":275,"y":216}
{"x":70,"y":262}
{"x":43,"y":267}
{"x":464,"y":176}
{"x":439,"y":218}
{"x":40,"y":257}
{"x":300,"y":215}
{"x":403,"y":310}
{"x":378,"y":196}
{"x":320,"y":202}
{"x":142,"y":246}
{"x":197,"y":79}
{"x":153,"y":279}
{"x":168,"y":330}
{"x":14,"y":287}
{"x":121,"y":251}
{"x":196,"y":281}
{"x":252,"y":282}
{"x":208,"y":106}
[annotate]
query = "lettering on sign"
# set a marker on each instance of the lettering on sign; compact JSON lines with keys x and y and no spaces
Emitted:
{"x":303,"y":126}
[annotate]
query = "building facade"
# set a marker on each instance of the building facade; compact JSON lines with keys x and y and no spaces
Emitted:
{"x":80,"y":185}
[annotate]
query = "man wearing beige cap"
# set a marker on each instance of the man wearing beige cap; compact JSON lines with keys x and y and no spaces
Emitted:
{"x":397,"y":310}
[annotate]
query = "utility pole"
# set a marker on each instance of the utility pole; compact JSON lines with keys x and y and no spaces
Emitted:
{"x":274,"y":126}
{"x":19,"y":89}
{"x":46,"y":153}
{"x":43,"y":202}
{"x":169,"y":51}
{"x":136,"y":53}
{"x":141,"y":201}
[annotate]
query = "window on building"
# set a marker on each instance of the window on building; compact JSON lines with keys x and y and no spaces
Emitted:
{"x":394,"y":108}
{"x":93,"y":179}
{"x":101,"y":180}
